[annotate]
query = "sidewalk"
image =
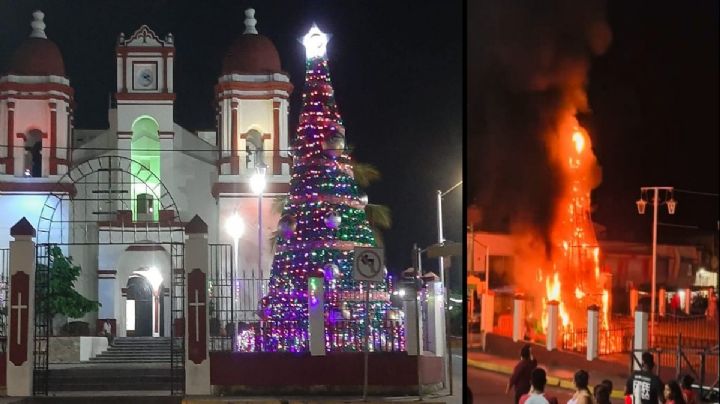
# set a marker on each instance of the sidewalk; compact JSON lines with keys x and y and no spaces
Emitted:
{"x":502,"y":354}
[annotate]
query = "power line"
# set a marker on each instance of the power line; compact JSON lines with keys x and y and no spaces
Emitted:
{"x":696,"y":192}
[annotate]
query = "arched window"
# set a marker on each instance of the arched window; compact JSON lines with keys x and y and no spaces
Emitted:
{"x":254,"y":149}
{"x":145,"y":152}
{"x":33,"y":154}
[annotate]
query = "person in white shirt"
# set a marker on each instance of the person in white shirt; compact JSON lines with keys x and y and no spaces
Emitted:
{"x":538,"y":379}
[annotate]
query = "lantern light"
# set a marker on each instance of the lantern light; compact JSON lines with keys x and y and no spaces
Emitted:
{"x":641,"y":204}
{"x":671,"y":205}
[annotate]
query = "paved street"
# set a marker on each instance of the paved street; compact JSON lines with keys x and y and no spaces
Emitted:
{"x":489,"y":387}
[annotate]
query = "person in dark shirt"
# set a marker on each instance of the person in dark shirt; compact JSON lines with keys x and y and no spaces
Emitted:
{"x":643,"y":385}
{"x":687,"y":389}
{"x":520,"y":378}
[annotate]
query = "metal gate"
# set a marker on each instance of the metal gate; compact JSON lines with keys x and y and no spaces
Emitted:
{"x":177,"y":315}
{"x":97,"y":192}
{"x":42,"y":319}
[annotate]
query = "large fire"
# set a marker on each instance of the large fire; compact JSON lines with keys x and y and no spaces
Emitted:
{"x":572,"y":274}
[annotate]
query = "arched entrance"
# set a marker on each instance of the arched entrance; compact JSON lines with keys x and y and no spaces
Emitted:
{"x":139,"y":307}
{"x":93,"y":218}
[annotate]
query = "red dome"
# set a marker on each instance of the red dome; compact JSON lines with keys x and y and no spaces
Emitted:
{"x":253,"y":54}
{"x":37,"y":57}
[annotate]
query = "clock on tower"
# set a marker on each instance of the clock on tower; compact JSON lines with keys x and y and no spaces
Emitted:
{"x":145,"y":76}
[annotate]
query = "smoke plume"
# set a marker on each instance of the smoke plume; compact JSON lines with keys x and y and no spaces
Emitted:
{"x":527,"y":71}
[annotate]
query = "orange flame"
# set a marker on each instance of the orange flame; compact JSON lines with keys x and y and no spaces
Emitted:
{"x":573,"y":275}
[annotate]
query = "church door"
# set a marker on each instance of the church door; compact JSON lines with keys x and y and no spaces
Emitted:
{"x":140,"y":291}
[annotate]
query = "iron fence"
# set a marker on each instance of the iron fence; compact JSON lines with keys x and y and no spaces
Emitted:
{"x":221,"y":304}
{"x":611,"y":340}
{"x":4,"y":289}
{"x":698,"y":331}
{"x":674,"y":363}
{"x":384,"y":336}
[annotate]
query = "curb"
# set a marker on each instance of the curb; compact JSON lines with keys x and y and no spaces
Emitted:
{"x":551,"y":380}
{"x":292,"y":401}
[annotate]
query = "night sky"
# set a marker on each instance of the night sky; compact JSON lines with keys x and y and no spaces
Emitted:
{"x":652,"y":107}
{"x":396,"y":69}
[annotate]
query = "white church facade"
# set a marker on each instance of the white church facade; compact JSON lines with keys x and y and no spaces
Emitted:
{"x":116,"y":198}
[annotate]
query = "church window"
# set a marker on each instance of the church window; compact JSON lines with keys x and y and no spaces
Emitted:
{"x":144,"y":204}
{"x":33,"y":154}
{"x":254,"y":150}
{"x":145,"y":153}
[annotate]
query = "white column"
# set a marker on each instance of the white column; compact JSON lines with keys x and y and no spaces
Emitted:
{"x":487,"y":316}
{"x":662,"y":302}
{"x":316,"y":313}
{"x":413,"y":339}
{"x":553,"y":325}
{"x":641,"y":342}
{"x":197,"y":376}
{"x":518,"y":318}
{"x":592,"y":332}
{"x":22,"y":259}
{"x":633,"y":300}
{"x":687,"y":300}
{"x":436,"y":318}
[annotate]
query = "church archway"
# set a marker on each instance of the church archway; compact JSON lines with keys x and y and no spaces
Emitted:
{"x":139,"y":310}
{"x":89,"y":209}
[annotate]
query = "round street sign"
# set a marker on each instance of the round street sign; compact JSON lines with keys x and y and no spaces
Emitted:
{"x":368,"y":265}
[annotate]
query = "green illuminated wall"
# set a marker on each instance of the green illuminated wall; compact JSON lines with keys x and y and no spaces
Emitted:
{"x":145,"y":149}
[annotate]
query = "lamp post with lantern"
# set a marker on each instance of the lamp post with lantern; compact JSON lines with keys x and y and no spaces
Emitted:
{"x":641,"y":203}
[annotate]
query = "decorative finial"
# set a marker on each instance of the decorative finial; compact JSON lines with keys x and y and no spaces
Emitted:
{"x":169,"y":38}
{"x":121,"y":38}
{"x":315,"y":42}
{"x":38,"y":26}
{"x":250,"y":21}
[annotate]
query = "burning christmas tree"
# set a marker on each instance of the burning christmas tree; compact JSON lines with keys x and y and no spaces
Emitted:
{"x":322,"y":222}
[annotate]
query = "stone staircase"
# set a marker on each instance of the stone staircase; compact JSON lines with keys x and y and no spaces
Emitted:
{"x":108,"y":379}
{"x":136,"y":350}
{"x":130,"y":364}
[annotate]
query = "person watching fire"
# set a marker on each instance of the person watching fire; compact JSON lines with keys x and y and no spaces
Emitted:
{"x":520,"y":378}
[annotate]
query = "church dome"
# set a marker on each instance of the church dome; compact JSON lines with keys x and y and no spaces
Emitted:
{"x":252,"y":53}
{"x":37,"y":55}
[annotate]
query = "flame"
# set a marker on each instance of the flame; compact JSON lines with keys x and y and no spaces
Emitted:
{"x":573,"y":271}
{"x":579,"y":141}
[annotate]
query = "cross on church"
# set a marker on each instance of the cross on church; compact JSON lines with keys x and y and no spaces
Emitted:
{"x":19,"y":307}
{"x":196,"y":304}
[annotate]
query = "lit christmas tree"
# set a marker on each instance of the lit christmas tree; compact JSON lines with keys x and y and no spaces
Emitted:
{"x":322,"y":222}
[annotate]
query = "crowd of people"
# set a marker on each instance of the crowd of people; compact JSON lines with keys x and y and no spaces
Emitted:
{"x":528,"y":383}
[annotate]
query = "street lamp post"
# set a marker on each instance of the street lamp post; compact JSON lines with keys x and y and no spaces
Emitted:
{"x":235,"y":228}
{"x":441,"y":239}
{"x":641,"y":204}
{"x":257,"y":185}
{"x":472,"y":257}
{"x":441,"y":266}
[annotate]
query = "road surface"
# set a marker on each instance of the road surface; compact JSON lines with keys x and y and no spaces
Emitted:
{"x":489,"y":387}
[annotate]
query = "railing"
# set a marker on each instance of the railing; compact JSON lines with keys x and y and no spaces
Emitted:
{"x":221,"y":302}
{"x":272,"y":336}
{"x":384,"y":336}
{"x":612,"y":340}
{"x":698,"y":331}
{"x":233,"y":304}
{"x":4,"y":289}
{"x":674,"y":363}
